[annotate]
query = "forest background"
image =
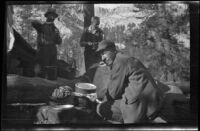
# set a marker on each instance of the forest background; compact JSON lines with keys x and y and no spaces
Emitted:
{"x":157,"y":34}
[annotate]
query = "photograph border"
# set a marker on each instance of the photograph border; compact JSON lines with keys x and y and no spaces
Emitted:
{"x":194,"y":68}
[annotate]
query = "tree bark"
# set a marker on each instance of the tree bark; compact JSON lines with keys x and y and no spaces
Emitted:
{"x":88,"y":13}
{"x":88,"y":10}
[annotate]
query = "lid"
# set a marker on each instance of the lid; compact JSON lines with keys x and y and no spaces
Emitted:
{"x":86,"y":86}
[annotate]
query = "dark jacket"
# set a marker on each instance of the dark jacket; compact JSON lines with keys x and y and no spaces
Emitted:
{"x":90,"y":36}
{"x":133,"y":84}
{"x":47,"y":33}
{"x":91,"y":56}
{"x":48,"y":38}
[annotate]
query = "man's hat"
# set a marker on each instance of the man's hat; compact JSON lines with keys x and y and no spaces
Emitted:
{"x":105,"y":44}
{"x":51,"y":11}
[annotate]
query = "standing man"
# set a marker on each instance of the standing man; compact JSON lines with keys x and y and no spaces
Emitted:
{"x":48,"y":38}
{"x":90,"y":38}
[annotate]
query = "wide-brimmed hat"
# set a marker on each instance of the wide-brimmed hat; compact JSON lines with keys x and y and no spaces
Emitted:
{"x":105,"y":44}
{"x":51,"y":11}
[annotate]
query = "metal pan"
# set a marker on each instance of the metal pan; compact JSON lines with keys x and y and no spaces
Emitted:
{"x":63,"y":107}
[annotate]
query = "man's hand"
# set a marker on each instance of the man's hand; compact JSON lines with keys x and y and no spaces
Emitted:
{"x":92,"y":97}
{"x":90,"y":43}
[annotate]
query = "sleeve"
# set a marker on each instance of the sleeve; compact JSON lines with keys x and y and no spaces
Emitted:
{"x":83,"y":39}
{"x":58,"y":39}
{"x":101,"y":37}
{"x":37,"y":25}
{"x":137,"y":82}
{"x":116,"y":85}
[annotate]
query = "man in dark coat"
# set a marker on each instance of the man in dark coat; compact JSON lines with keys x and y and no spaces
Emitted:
{"x":48,"y":38}
{"x":131,"y":95}
{"x":90,"y":38}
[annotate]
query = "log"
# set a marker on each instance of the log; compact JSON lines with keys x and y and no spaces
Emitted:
{"x":33,"y":89}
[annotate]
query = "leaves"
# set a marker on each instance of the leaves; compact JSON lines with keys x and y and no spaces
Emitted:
{"x":163,"y":39}
{"x":157,"y":34}
{"x":69,"y":23}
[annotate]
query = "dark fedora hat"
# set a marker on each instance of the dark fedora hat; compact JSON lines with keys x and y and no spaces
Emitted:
{"x":51,"y":11}
{"x":105,"y":44}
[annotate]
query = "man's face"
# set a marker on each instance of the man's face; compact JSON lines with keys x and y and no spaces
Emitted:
{"x":95,"y":22}
{"x":108,"y":56}
{"x":50,"y":18}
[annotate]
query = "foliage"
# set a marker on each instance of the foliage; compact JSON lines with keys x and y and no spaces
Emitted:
{"x":157,"y":35}
{"x":161,"y":41}
{"x":69,"y":23}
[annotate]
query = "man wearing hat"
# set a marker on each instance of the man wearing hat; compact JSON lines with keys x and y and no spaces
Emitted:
{"x":48,"y":38}
{"x":90,"y":38}
{"x":132,"y":95}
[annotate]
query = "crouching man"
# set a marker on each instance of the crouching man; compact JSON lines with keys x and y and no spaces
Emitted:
{"x":132,"y":96}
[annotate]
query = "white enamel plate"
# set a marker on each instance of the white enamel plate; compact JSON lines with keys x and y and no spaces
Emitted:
{"x":61,"y":107}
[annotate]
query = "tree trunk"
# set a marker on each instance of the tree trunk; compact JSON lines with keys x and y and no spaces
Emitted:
{"x":88,"y":13}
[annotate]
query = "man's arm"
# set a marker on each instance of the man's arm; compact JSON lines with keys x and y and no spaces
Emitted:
{"x":58,"y":39}
{"x":37,"y":25}
{"x":116,"y":85}
{"x":138,"y":80}
{"x":102,"y":37}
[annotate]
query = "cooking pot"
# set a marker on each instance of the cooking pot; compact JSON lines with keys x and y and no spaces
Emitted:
{"x":85,"y":88}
